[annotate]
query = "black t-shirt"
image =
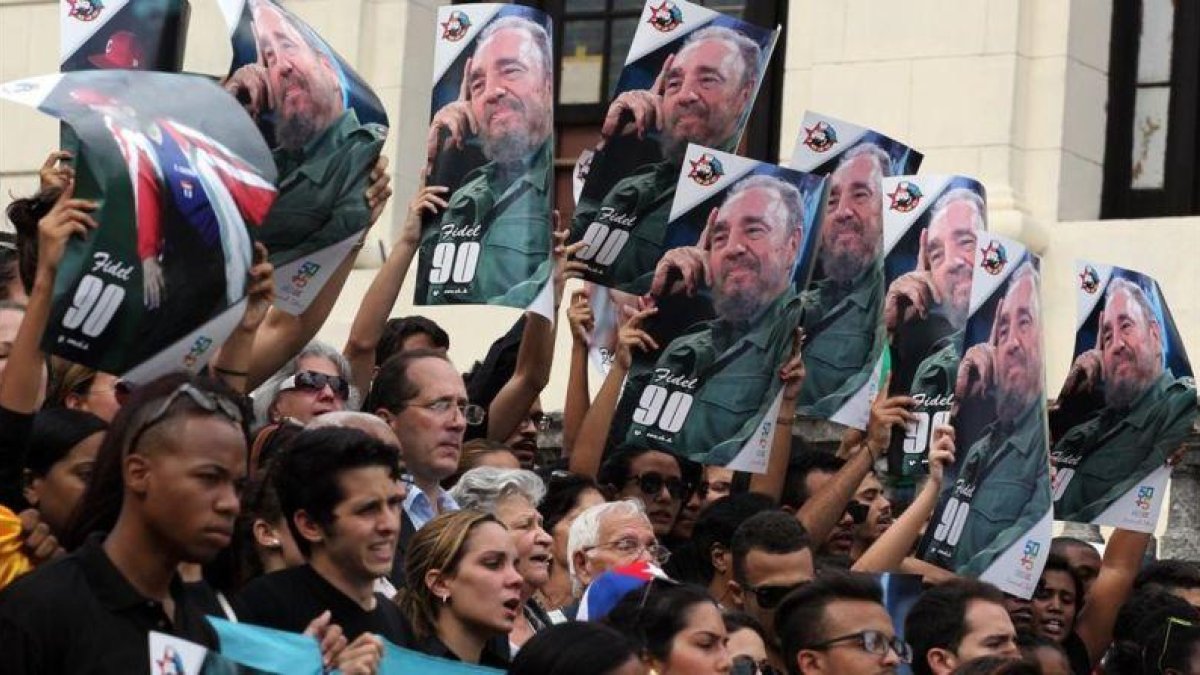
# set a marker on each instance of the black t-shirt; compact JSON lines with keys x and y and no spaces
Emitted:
{"x":289,"y":599}
{"x":14,"y":439}
{"x":1077,"y":654}
{"x":80,"y":615}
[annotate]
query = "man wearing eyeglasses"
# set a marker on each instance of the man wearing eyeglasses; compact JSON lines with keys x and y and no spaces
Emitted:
{"x":422,"y":398}
{"x":839,"y":625}
{"x":609,"y":535}
{"x":771,"y":558}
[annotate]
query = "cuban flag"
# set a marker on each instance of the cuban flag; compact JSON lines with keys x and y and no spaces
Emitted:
{"x":607,"y":590}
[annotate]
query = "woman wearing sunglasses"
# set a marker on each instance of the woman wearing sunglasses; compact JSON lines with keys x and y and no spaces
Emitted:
{"x":747,"y":645}
{"x":316,"y":381}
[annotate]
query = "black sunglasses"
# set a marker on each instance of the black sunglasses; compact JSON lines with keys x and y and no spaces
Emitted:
{"x":858,"y":512}
{"x":313,"y":381}
{"x":769,"y":597}
{"x":746,"y":665}
{"x":652,"y":482}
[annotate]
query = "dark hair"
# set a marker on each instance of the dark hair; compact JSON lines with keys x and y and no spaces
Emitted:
{"x":1030,"y":642}
{"x":392,"y":388}
{"x":938,"y":619}
{"x":574,"y":648}
{"x":485,"y":379}
{"x":100,"y":505}
{"x":615,"y":472}
{"x":10,"y":263}
{"x":998,"y":665}
{"x":24,"y":214}
{"x":1057,"y":544}
{"x":800,"y":619}
{"x":1171,"y":645}
{"x":399,"y":329}
{"x":1168,"y":575}
{"x":1057,"y":563}
{"x":719,"y":520}
{"x":795,"y":493}
{"x":306,"y":473}
{"x":735,"y":621}
{"x":55,"y":431}
{"x":259,"y":501}
{"x":562,"y":495}
{"x":652,"y":616}
{"x":1138,"y":617}
{"x":269,"y":441}
{"x":773,"y":532}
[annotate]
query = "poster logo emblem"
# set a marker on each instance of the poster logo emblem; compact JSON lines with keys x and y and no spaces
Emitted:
{"x":666,"y":17}
{"x":199,"y":347}
{"x":1089,"y":281}
{"x":906,"y":196}
{"x":455,"y":28}
{"x":85,"y":10}
{"x":995,"y":258}
{"x":1144,"y":495}
{"x":706,"y":170}
{"x":305,"y":273}
{"x":820,"y":137}
{"x":1030,"y":555}
{"x":20,"y":87}
{"x":171,"y":663}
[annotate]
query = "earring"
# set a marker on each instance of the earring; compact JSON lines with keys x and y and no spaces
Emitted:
{"x":445,"y":599}
{"x":274,"y":543}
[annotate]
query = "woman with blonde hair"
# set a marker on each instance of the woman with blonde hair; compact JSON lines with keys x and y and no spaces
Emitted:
{"x":463,"y":592}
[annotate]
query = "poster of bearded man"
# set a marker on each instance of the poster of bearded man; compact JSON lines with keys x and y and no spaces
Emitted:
{"x":993,"y":520}
{"x":325,"y":127}
{"x":844,"y":322}
{"x":1127,"y":405}
{"x":490,"y":145}
{"x":691,"y":76}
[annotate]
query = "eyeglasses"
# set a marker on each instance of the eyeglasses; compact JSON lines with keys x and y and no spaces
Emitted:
{"x":472,"y":413}
{"x":307,"y":380}
{"x":872,"y":642}
{"x":1172,"y":622}
{"x":652,"y":482}
{"x":769,"y":596}
{"x":632,"y":548}
{"x":209,"y":402}
{"x":746,"y":665}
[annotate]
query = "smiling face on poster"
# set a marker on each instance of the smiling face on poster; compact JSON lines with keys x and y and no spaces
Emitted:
{"x":180,"y":174}
{"x":1127,"y":405}
{"x":490,"y":144}
{"x":325,"y":127}
{"x":844,"y":324}
{"x":711,"y":386}
{"x":690,"y":77}
{"x":994,"y":514}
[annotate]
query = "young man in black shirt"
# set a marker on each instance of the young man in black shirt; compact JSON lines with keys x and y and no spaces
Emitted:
{"x":340,"y":492}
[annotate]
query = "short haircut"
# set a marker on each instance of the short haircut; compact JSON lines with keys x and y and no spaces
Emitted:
{"x":961,"y":194}
{"x":788,"y":194}
{"x":1170,"y":647}
{"x":1060,"y":543}
{"x":653,"y":616}
{"x":310,"y":38}
{"x":585,"y":531}
{"x":306,"y":473}
{"x":574,"y":648}
{"x":795,"y":493}
{"x":994,"y":664}
{"x":483,"y":487}
{"x":399,"y":329}
{"x":536,"y":32}
{"x":392,"y":388}
{"x":800,"y":619}
{"x":1168,"y":575}
{"x":264,"y":397}
{"x":1135,"y":292}
{"x":773,"y":532}
{"x":562,"y":496}
{"x":1030,"y":642}
{"x":938,"y":619}
{"x":1137,"y":619}
{"x":747,"y":49}
{"x":616,"y":470}
{"x":735,"y":621}
{"x":718,"y":521}
{"x":1057,"y":563}
{"x":883,"y":161}
{"x":55,"y":432}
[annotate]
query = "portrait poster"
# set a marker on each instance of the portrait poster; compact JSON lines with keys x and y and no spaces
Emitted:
{"x":701,"y":71}
{"x":994,"y":517}
{"x":325,"y":127}
{"x":900,"y":593}
{"x":931,"y":227}
{"x":182,"y":178}
{"x":122,"y":34}
{"x":708,"y":393}
{"x":844,"y":325}
{"x":1127,"y":405}
{"x":491,"y":144}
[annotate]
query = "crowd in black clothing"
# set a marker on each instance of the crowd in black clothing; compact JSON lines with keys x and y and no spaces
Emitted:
{"x":373,"y":493}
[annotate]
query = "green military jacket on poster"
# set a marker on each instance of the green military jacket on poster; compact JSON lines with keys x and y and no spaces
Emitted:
{"x":1008,"y":476}
{"x":937,"y":374}
{"x":508,"y":218}
{"x":639,"y":204}
{"x":844,"y":332}
{"x":715,"y":382}
{"x":1111,"y":452}
{"x":322,"y":190}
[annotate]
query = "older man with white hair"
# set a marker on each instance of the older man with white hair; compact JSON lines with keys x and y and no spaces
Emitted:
{"x":610,"y":535}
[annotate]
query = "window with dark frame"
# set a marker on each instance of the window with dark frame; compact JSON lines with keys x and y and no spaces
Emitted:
{"x":1152,"y":147}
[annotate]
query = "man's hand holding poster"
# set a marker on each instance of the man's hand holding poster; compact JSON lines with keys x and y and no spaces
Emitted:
{"x":993,"y":519}
{"x":325,"y":128}
{"x":491,"y":145}
{"x":844,"y":319}
{"x":708,"y":392}
{"x":691,"y":76}
{"x":180,"y":173}
{"x":1127,"y":405}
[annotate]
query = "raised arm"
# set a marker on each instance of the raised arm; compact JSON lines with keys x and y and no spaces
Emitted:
{"x":582,"y":323}
{"x":771,"y":482}
{"x":1110,"y":590}
{"x":232,"y":363}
